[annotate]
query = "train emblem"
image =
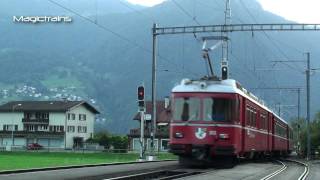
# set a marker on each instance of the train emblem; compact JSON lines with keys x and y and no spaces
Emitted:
{"x":201,"y":133}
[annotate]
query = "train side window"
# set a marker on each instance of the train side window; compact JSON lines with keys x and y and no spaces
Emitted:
{"x":247,"y":116}
{"x":263,"y":121}
{"x":254,"y":122}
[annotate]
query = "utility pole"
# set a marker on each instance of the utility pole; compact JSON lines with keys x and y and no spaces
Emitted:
{"x":299,"y":92}
{"x":225,"y":44}
{"x":154,"y":105}
{"x":308,"y":101}
{"x":308,"y":106}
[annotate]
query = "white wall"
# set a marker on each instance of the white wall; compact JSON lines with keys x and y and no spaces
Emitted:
{"x":9,"y":118}
{"x":89,"y":123}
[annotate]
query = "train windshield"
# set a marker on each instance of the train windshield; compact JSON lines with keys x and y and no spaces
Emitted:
{"x":187,"y":109}
{"x":219,"y":109}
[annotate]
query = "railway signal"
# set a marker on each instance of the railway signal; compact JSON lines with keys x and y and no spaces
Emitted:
{"x":141,"y":105}
{"x":141,"y":93}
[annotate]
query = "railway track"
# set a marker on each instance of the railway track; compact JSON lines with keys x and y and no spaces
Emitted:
{"x":277,"y":174}
{"x":160,"y":175}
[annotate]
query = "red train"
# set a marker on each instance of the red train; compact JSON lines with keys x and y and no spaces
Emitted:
{"x":219,"y":118}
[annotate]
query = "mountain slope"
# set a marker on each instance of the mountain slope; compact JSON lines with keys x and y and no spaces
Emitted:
{"x":81,"y":60}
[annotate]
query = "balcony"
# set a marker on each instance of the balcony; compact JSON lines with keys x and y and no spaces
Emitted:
{"x":35,"y":121}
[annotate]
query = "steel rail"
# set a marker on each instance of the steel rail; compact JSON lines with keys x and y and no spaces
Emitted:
{"x":303,"y":176}
{"x":269,"y":176}
{"x":305,"y":173}
{"x":161,"y":175}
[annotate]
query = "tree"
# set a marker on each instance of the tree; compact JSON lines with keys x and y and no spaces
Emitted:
{"x":314,"y":133}
{"x":119,"y":143}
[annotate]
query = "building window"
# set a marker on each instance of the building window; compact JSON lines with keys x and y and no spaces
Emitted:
{"x":136,"y":145}
{"x":155,"y":144}
{"x":11,"y":127}
{"x":27,"y":115}
{"x":71,"y":116}
{"x":43,"y":128}
{"x":164,"y":144}
{"x":82,"y":129}
{"x":56,"y":128}
{"x":30,"y":128}
{"x":82,"y":117}
{"x":71,"y":129}
{"x":38,"y":115}
{"x":45,"y":115}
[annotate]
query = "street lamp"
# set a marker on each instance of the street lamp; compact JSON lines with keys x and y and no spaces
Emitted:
{"x":12,"y":125}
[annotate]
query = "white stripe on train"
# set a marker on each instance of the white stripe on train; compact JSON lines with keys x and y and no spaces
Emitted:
{"x":227,"y":126}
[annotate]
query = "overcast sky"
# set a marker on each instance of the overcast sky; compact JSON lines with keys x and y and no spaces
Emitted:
{"x":302,"y":11}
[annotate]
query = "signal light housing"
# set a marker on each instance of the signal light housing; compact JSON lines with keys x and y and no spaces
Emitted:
{"x":141,"y":98}
{"x":140,"y":93}
{"x":224,"y":71}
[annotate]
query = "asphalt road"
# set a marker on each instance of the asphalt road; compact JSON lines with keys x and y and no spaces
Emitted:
{"x":314,"y":170}
{"x":91,"y":172}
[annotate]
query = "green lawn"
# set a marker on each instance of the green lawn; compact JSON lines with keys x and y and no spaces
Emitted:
{"x":25,"y":160}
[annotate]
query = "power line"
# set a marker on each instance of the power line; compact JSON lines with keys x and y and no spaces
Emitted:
{"x":100,"y":26}
{"x":113,"y":32}
{"x":186,"y":12}
{"x":271,"y":39}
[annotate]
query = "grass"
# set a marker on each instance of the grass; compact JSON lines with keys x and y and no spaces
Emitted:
{"x":27,"y":160}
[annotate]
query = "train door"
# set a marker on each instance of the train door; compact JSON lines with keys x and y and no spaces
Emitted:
{"x":270,"y":132}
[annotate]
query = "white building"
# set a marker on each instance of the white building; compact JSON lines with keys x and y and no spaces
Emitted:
{"x":54,"y":124}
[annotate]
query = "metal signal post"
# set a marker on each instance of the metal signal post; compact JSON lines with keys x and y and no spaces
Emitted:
{"x":141,"y":105}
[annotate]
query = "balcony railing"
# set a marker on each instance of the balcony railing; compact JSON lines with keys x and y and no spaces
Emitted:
{"x":35,"y":121}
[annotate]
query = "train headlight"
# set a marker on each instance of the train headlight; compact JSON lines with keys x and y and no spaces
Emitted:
{"x":178,"y":135}
{"x":223,"y":136}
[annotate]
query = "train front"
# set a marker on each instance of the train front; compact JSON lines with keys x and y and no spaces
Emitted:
{"x":205,"y":120}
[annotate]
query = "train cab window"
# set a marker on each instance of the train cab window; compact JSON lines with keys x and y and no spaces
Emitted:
{"x":218,"y":109}
{"x":187,"y":109}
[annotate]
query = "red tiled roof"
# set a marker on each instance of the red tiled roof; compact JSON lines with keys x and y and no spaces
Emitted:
{"x":163,"y":115}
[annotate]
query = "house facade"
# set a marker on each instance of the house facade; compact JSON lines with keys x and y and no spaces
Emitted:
{"x":161,"y":140}
{"x":52,"y":124}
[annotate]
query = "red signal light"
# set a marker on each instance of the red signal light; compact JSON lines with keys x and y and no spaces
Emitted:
{"x":140,"y":93}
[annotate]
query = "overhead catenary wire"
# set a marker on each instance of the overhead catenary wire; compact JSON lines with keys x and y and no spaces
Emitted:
{"x":186,"y":12}
{"x":132,"y":42}
{"x":271,"y":39}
